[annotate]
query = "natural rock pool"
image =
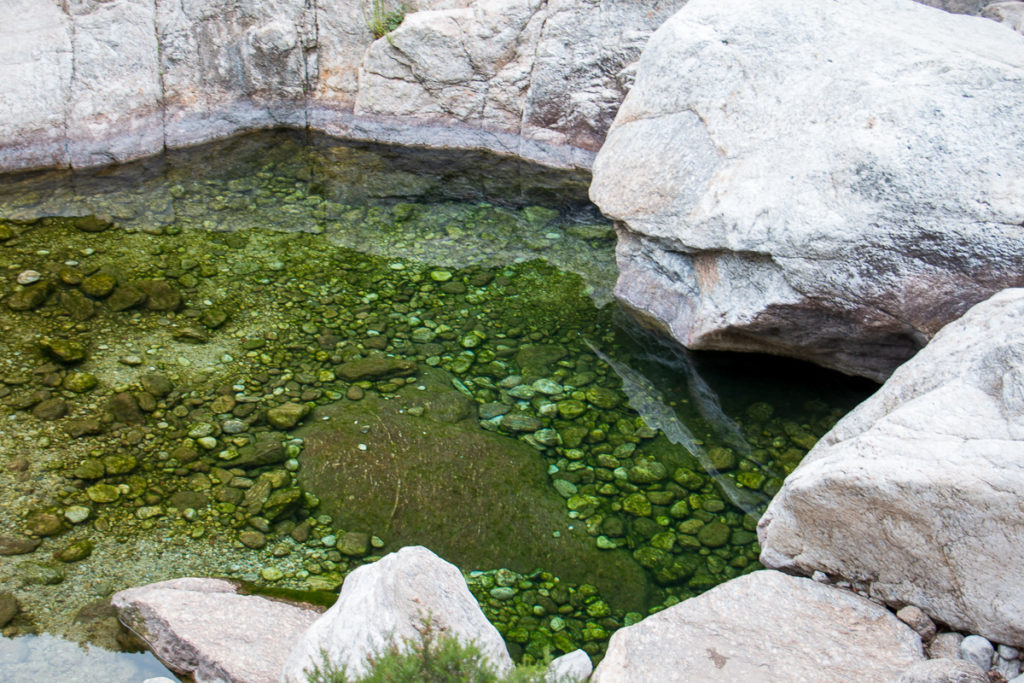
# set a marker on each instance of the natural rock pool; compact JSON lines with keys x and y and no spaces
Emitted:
{"x":277,"y":357}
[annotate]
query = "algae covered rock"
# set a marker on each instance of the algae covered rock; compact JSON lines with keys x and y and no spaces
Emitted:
{"x":374,"y":369}
{"x":414,"y":479}
{"x":287,"y":415}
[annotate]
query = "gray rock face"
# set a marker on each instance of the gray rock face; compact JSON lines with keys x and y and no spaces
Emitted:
{"x":764,"y":626}
{"x":943,"y":671}
{"x":205,"y":628}
{"x":1008,"y":13}
{"x":789,"y":178}
{"x":95,"y":81}
{"x":383,"y":604}
{"x":916,"y":492}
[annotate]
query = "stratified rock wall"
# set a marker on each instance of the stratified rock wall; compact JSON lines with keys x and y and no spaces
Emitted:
{"x":826,"y":180}
{"x":90,"y":82}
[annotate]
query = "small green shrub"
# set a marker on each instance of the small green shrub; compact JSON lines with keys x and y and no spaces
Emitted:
{"x":379,"y":19}
{"x":433,"y":658}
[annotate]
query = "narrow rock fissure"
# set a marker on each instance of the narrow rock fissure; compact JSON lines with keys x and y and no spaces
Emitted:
{"x":529,"y":87}
{"x":66,"y":143}
{"x":162,"y":101}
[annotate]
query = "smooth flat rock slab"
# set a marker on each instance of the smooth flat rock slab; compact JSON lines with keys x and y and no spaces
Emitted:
{"x":205,"y":628}
{"x":765,"y":626}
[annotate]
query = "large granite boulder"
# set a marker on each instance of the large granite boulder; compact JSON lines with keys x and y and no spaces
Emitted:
{"x":386,"y":603}
{"x":764,"y":626}
{"x":826,"y":180}
{"x":915,"y":495}
{"x":207,"y":628}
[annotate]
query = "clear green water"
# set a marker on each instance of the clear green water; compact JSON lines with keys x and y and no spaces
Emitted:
{"x":301,"y":354}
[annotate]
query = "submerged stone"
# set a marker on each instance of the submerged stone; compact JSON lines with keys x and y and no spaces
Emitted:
{"x":99,"y":285}
{"x":374,"y":369}
{"x":287,"y":415}
{"x":29,"y":298}
{"x":63,"y":350}
{"x":160,"y":295}
{"x":11,"y":545}
{"x":75,"y":551}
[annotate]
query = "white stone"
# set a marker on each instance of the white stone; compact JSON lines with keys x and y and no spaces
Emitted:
{"x":384,"y":603}
{"x":573,"y":667}
{"x":204,"y":627}
{"x":916,"y":493}
{"x":764,"y":626}
{"x":978,"y":651}
{"x":812,"y":178}
{"x":27,"y":277}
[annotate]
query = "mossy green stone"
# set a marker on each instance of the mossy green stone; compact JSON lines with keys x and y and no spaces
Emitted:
{"x":598,"y":609}
{"x":161,"y":295}
{"x":63,"y":350}
{"x":679,"y":509}
{"x":637,"y":504}
{"x":570,"y":409}
{"x":78,"y":306}
{"x":664,"y":541}
{"x":353,"y":543}
{"x":742,"y":537}
{"x":722,"y":459}
{"x":280,"y":502}
{"x":80,"y":382}
{"x":126,"y":297}
{"x":102,"y":493}
{"x":689,"y":526}
{"x":688,"y":479}
{"x":649,"y":557}
{"x":91,"y":468}
{"x":75,"y":551}
{"x":119,"y":463}
{"x":29,"y":298}
{"x":38,"y":573}
{"x":751,"y":480}
{"x":99,"y":285}
{"x":43,"y":524}
{"x":647,"y":472}
{"x":287,"y":415}
{"x":714,"y":535}
{"x":602,"y":397}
